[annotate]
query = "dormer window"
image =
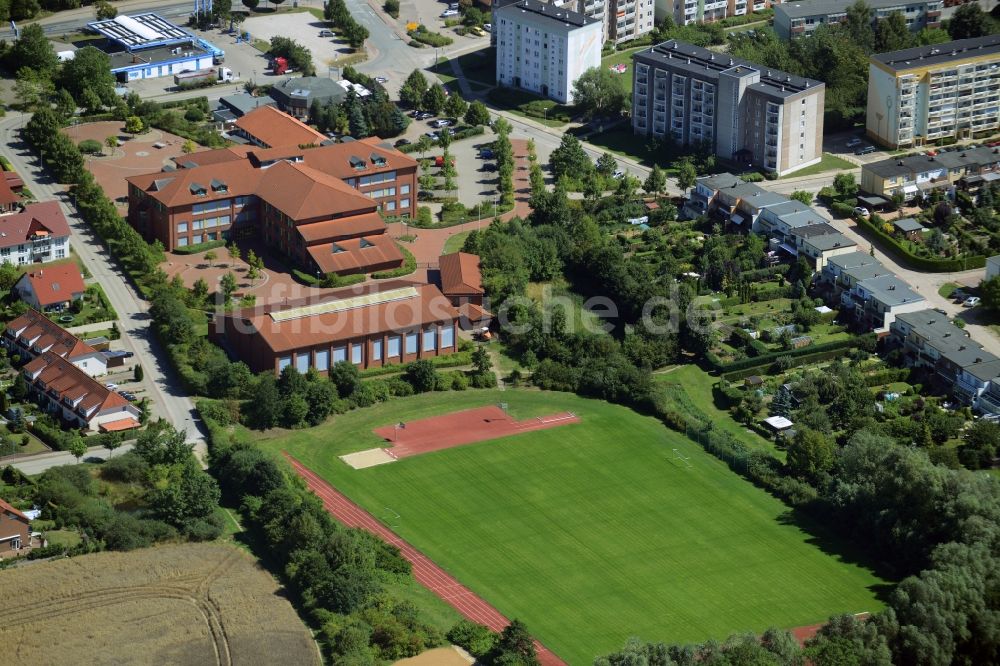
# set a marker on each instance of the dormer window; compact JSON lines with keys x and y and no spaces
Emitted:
{"x":366,"y":243}
{"x":198,"y":189}
{"x":219,"y":186}
{"x":378,"y":160}
{"x":336,"y":249}
{"x":357,"y":163}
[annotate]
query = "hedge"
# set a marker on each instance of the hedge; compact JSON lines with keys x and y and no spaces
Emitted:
{"x":455,"y":360}
{"x":305,"y":278}
{"x":409,"y":265}
{"x":767,"y":359}
{"x":894,"y":249}
{"x":425,"y":36}
{"x":797,"y":360}
{"x":199,"y":247}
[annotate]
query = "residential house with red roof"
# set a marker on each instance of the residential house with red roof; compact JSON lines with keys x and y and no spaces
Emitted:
{"x":368,"y":325}
{"x":75,"y":397}
{"x":52,"y":288}
{"x":10,"y":189}
{"x":318,"y":206}
{"x":462,"y":283}
{"x":33,"y":334}
{"x":15,"y":531}
{"x":36,"y":233}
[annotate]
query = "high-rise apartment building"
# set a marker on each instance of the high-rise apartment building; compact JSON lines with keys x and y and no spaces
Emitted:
{"x":927,"y":93}
{"x":743,"y":112}
{"x":544,"y":48}
{"x":800,"y":19}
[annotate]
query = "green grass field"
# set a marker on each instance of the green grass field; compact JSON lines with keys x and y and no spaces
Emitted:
{"x":595,"y":532}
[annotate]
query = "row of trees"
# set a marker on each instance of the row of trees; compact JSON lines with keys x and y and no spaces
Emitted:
{"x":337,"y":13}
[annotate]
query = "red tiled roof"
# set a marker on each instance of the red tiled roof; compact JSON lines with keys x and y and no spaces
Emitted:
{"x":460,"y":274}
{"x":5,"y":507}
{"x":121,"y":424}
{"x":38,"y":218}
{"x":217,"y":156}
{"x":473,"y":312}
{"x":342,"y":227}
{"x":301,"y":192}
{"x":356,"y":255}
{"x":428,"y":306}
{"x":174,"y":188}
{"x":275,"y":128}
{"x":7,"y":195}
{"x":335,"y":158}
{"x":55,"y":284}
{"x":69,"y":382}
{"x":13,"y":180}
{"x":47,"y":336}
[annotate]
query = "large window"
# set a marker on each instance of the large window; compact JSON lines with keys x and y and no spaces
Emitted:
{"x":284,"y":362}
{"x":339,"y":355}
{"x":182,"y":241}
{"x":411,"y":343}
{"x":356,"y":354}
{"x":448,"y":337}
{"x":377,"y":350}
{"x":210,"y":206}
{"x":302,"y":362}
{"x":182,"y":227}
{"x":394,"y":346}
{"x":322,"y":359}
{"x":430,"y":340}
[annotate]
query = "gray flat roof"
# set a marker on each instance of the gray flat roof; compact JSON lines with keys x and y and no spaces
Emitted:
{"x":890,"y":290}
{"x":813,"y":230}
{"x":244,"y":103}
{"x":907,"y":224}
{"x":938,"y":54}
{"x":853,"y":260}
{"x":862,"y":272}
{"x":308,"y":88}
{"x":830,"y":241}
{"x":825,"y":7}
{"x":919,"y":163}
{"x":802,"y":218}
{"x":766,"y":198}
{"x":709,"y":65}
{"x":719,"y":181}
{"x":549,"y":13}
{"x":154,"y":55}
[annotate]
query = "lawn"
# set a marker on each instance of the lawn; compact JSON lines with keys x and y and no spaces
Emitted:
{"x":622,"y":58}
{"x":455,"y":242}
{"x":557,"y":292}
{"x":595,"y":532}
{"x":827,"y":163}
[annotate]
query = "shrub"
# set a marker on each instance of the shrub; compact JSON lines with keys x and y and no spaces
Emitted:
{"x":409,"y":265}
{"x":89,"y":146}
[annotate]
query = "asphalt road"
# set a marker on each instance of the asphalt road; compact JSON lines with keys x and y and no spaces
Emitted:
{"x":165,"y":390}
{"x":43,"y":461}
{"x":71,"y":21}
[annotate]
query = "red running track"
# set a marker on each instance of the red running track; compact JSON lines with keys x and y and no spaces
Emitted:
{"x":425,"y":571}
{"x":460,"y":428}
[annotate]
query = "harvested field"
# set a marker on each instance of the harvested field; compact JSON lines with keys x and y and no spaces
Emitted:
{"x":180,"y":604}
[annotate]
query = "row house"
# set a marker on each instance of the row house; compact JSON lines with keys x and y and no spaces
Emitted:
{"x":912,"y":175}
{"x":35,"y":233}
{"x":77,"y":399}
{"x":33,"y":334}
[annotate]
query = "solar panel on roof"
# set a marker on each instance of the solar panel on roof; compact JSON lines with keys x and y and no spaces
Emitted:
{"x":340,"y":305}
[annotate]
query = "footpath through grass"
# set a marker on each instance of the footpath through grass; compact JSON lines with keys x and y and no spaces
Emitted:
{"x":593,"y":532}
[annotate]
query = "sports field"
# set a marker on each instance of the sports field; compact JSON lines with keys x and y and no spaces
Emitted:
{"x":592,"y":532}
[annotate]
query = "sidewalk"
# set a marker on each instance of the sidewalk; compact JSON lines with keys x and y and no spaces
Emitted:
{"x":39,"y":463}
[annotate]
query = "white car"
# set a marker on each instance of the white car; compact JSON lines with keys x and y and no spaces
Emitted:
{"x":381,"y":79}
{"x":861,"y":211}
{"x":449,"y":12}
{"x":488,"y":27}
{"x":111,"y":387}
{"x":441,"y":122}
{"x":854,"y":142}
{"x":618,"y":175}
{"x":971,"y":302}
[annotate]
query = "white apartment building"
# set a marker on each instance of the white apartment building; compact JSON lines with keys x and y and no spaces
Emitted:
{"x":687,"y":12}
{"x":923,"y":94}
{"x":800,"y":19}
{"x":748,"y":114}
{"x":543,"y":48}
{"x":36,"y":234}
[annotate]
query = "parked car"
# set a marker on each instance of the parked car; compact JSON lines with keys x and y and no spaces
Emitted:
{"x":488,"y":27}
{"x":618,"y":175}
{"x":854,"y":142}
{"x":971,"y":302}
{"x":861,"y":211}
{"x":439,"y":161}
{"x":867,"y":150}
{"x":477,"y":31}
{"x":111,"y":387}
{"x":959,"y":296}
{"x":423,"y":115}
{"x":449,"y":12}
{"x":440,"y":122}
{"x":433,"y":136}
{"x":402,"y":142}
{"x":424,"y":195}
{"x":129,"y":354}
{"x":486,"y":153}
{"x":326,"y":33}
{"x":489,"y":166}
{"x":381,"y":79}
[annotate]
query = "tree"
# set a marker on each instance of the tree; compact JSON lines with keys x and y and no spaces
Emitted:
{"x":473,"y":17}
{"x":455,"y":107}
{"x":65,"y":104}
{"x":477,"y":114}
{"x":892,"y":34}
{"x":434,"y":99}
{"x":32,"y":87}
{"x":969,"y":20}
{"x":228,"y":285}
{"x":982,"y":443}
{"x":105,"y":10}
{"x":607,"y":164}
{"x":481,"y":361}
{"x":845,"y":185}
{"x":34,"y":50}
{"x":251,"y":4}
{"x":199,"y":291}
{"x":188,"y":147}
{"x":859,"y":25}
{"x":598,"y":91}
{"x":515,"y":647}
{"x":235,"y":253}
{"x":421,"y":375}
{"x":687,"y":175}
{"x":413,"y":89}
{"x":90,"y":69}
{"x":210,"y":257}
{"x":810,"y":455}
{"x":391,"y":8}
{"x":195,"y":496}
{"x":570,"y":159}
{"x":111,"y":141}
{"x":112,"y":441}
{"x":424,"y":144}
{"x":989,"y":291}
{"x":24,"y":9}
{"x":656,"y":181}
{"x":77,"y":446}
{"x":222,"y":9}
{"x":358,"y":124}
{"x":803,"y":196}
{"x":134,"y":125}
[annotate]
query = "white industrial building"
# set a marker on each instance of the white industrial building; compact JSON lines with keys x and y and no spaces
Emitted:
{"x":146,"y":46}
{"x":543,"y":48}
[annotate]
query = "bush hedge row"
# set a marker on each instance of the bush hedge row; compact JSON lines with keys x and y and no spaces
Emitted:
{"x":897,"y":251}
{"x":766,"y":359}
{"x":199,"y":247}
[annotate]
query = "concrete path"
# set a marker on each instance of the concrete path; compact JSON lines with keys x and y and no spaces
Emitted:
{"x":90,"y":328}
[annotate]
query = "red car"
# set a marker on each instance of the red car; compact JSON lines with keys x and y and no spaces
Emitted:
{"x":439,"y":161}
